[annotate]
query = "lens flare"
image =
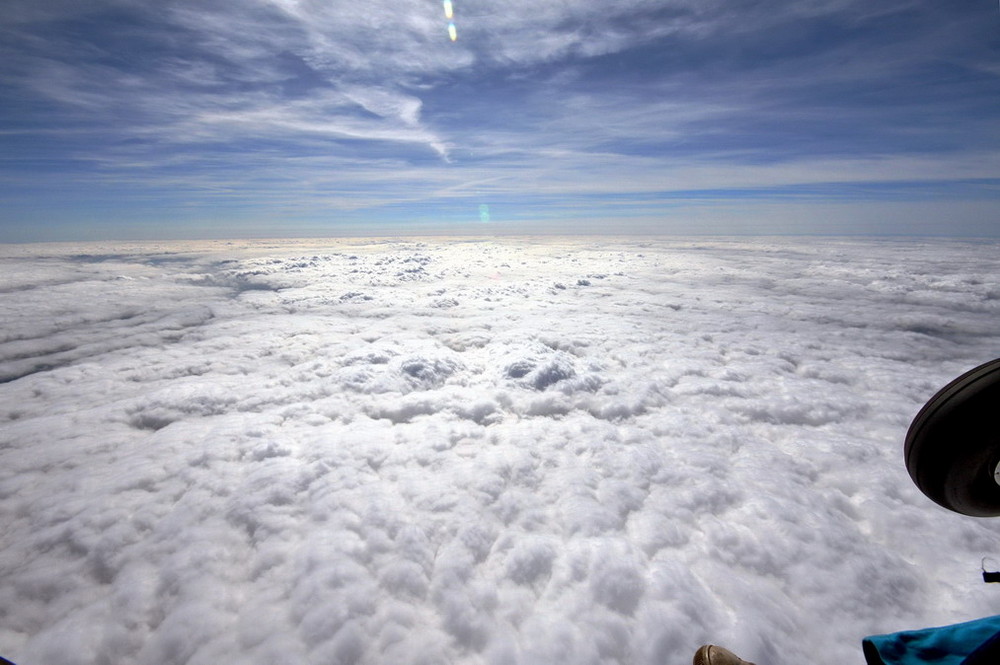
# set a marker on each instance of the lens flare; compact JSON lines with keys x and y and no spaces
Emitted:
{"x":484,"y":212}
{"x":449,"y":13}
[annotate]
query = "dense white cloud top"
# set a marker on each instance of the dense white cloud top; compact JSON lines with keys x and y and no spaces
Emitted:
{"x":479,"y":452}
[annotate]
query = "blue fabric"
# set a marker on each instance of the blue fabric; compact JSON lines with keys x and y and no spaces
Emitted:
{"x":946,"y":645}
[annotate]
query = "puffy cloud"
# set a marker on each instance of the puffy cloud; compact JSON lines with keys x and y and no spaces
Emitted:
{"x":478,"y":452}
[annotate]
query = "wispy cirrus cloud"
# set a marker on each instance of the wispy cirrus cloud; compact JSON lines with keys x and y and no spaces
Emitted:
{"x":637,"y":97}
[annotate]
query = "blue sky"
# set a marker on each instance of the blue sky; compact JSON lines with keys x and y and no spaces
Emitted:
{"x":244,"y":118}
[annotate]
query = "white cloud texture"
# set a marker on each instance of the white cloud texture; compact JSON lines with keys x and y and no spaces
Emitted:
{"x":491,"y":452}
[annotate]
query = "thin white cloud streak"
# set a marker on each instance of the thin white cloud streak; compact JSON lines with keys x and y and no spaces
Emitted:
{"x":560,"y":173}
{"x":372,"y":46}
{"x":207,"y":120}
{"x":309,"y":197}
{"x":566,"y":143}
{"x":244,"y":42}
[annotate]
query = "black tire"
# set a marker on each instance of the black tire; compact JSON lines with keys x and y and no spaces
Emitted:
{"x":953,"y":445}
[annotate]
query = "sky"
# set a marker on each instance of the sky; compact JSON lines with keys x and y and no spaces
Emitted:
{"x":249,"y":118}
{"x":503,"y":451}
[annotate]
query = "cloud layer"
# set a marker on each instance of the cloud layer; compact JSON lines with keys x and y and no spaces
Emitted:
{"x":478,"y":452}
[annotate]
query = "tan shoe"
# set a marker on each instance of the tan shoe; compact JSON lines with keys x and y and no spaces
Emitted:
{"x":709,"y":654}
